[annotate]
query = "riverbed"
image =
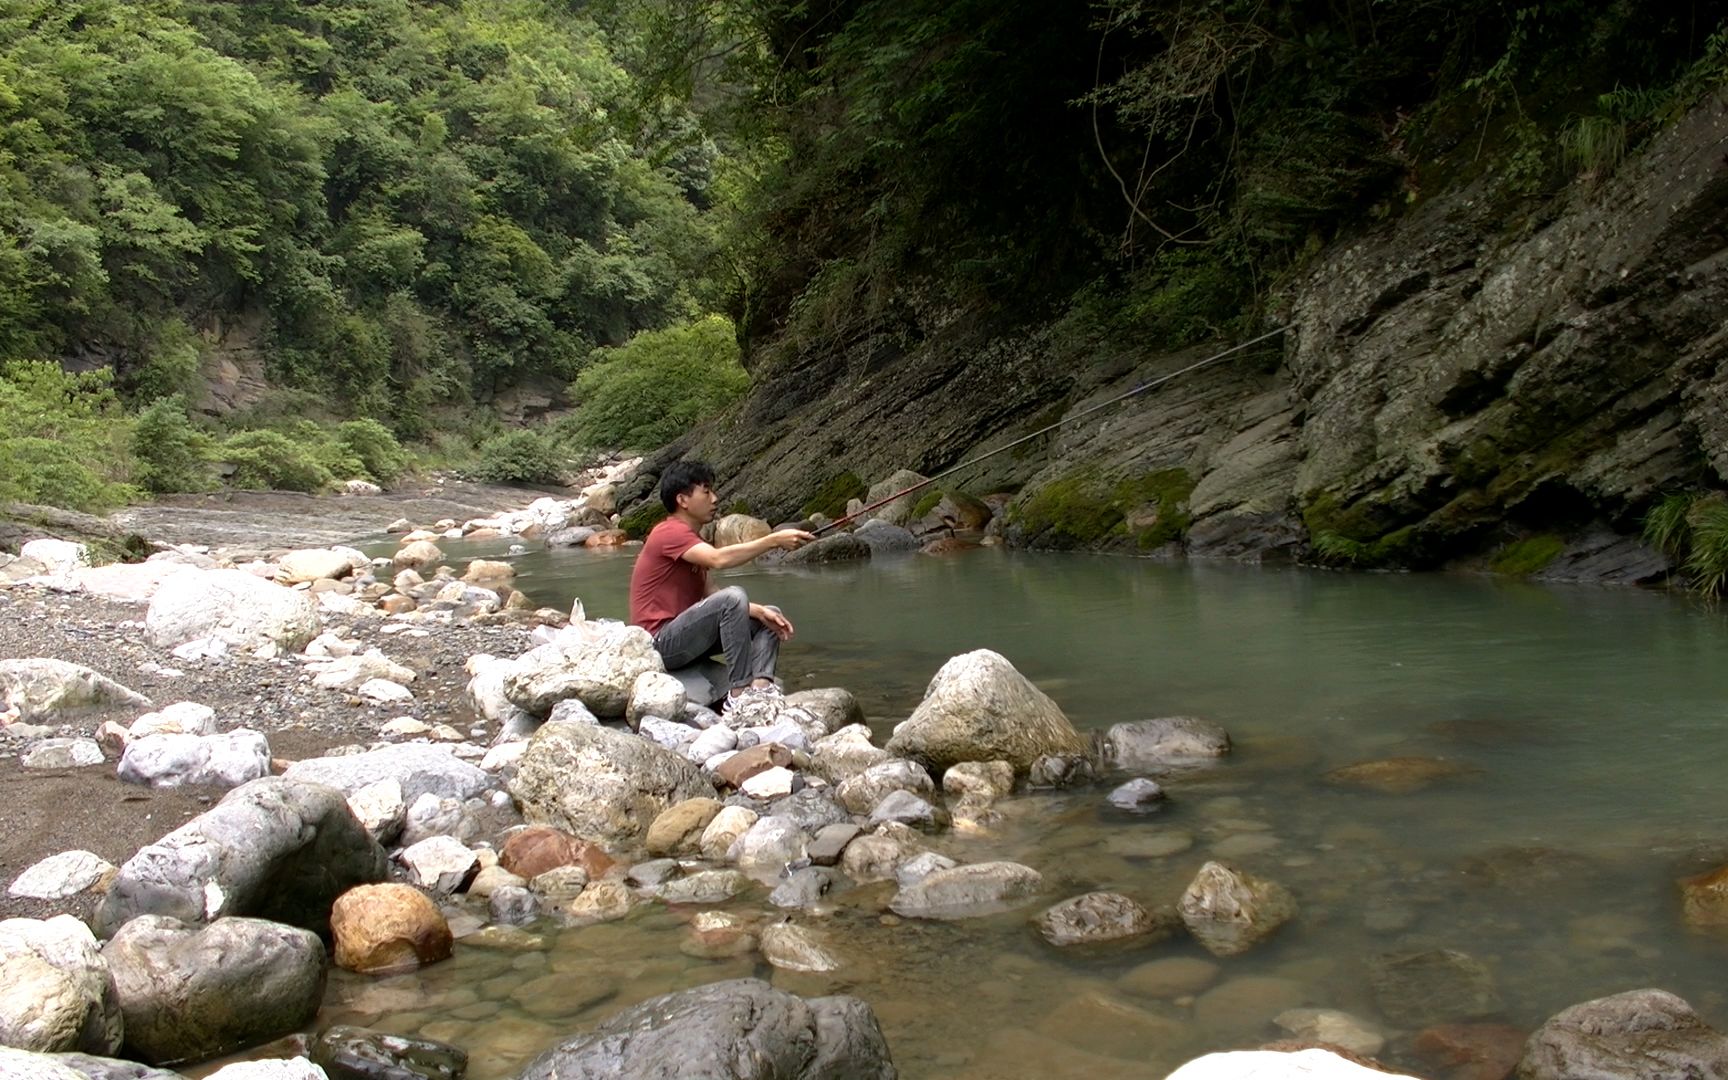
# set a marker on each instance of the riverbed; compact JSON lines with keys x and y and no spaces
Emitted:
{"x":1576,"y":730}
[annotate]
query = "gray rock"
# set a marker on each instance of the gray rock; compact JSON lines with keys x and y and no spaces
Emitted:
{"x":570,"y":709}
{"x":43,"y":689}
{"x":875,"y":858}
{"x":656,"y":693}
{"x":964,"y":892}
{"x":601,"y":785}
{"x":741,"y":1029}
{"x":705,"y":887}
{"x":652,"y":872}
{"x":886,"y":539}
{"x":838,"y":547}
{"x":346,"y":1052}
{"x":981,"y":782}
{"x":232,"y":606}
{"x":831,"y":708}
{"x":418,"y":767}
{"x":667,"y":733}
{"x":226,"y":760}
{"x":1164,"y":742}
{"x":575,"y":536}
{"x":274,"y":848}
{"x":439,"y":864}
{"x":60,"y":876}
{"x":784,"y":732}
{"x":861,"y":794}
{"x":1436,"y":986}
{"x":811,"y":809}
{"x":381,"y":810}
{"x":715,"y":740}
{"x":1138,"y":795}
{"x":846,"y":753}
{"x":897,"y":511}
{"x":979,"y":708}
{"x":24,"y":1065}
{"x":62,"y":754}
{"x":54,"y":988}
{"x":1102,"y":917}
{"x":921,"y":866}
{"x":1060,"y":771}
{"x":1637,"y":1035}
{"x":830,"y":842}
{"x":597,"y":663}
{"x":704,"y":684}
{"x":1229,"y":912}
{"x":767,"y":846}
{"x":803,"y":888}
{"x":513,"y":905}
{"x":907,"y":809}
{"x":790,"y":947}
{"x":180,"y":718}
{"x":191,"y":992}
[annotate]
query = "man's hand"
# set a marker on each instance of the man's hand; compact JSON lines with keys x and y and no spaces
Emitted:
{"x":771,"y":617}
{"x":787,"y":539}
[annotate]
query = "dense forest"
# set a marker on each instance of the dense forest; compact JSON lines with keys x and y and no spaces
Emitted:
{"x":409,"y":211}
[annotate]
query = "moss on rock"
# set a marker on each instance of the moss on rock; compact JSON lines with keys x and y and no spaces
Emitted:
{"x":1521,"y":558}
{"x":638,"y":521}
{"x":831,"y":498}
{"x":1083,"y":508}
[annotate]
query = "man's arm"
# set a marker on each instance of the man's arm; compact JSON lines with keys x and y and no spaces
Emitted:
{"x":709,"y":557}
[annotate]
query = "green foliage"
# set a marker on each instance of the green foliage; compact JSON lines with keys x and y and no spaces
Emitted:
{"x":172,"y":455}
{"x":270,"y":460}
{"x":1521,"y":558}
{"x":1084,"y":508}
{"x":63,"y":438}
{"x":650,"y":391}
{"x":371,"y":444}
{"x":831,"y":498}
{"x":519,"y":457}
{"x":925,"y":504}
{"x":1692,"y":528}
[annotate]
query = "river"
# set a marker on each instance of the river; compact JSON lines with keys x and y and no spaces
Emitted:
{"x":1584,"y":725}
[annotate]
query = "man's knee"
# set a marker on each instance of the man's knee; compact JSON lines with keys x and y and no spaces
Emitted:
{"x":733,"y":597}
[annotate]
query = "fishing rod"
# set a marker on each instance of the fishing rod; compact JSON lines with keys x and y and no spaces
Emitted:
{"x":1142,"y":388}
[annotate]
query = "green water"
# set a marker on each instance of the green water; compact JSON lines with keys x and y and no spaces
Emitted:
{"x":1588,"y":721}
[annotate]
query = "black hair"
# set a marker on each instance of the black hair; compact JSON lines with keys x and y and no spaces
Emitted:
{"x":681,"y":478}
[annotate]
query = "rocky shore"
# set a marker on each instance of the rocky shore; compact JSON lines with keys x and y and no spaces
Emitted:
{"x":233,"y":780}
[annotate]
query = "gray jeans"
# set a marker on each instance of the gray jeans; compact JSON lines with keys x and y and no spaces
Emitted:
{"x":722,"y":623}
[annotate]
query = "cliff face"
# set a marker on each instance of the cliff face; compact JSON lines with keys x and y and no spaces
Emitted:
{"x":1446,"y":384}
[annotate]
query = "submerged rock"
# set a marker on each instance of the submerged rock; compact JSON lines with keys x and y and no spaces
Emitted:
{"x":795,"y":948}
{"x":964,"y":892}
{"x":1397,"y":776}
{"x":357,"y":1052}
{"x":740,"y":1029}
{"x":1229,"y":912}
{"x":1099,"y":917}
{"x":1164,"y":742}
{"x":1435,"y":986}
{"x":1637,"y":1035}
{"x":979,"y":708}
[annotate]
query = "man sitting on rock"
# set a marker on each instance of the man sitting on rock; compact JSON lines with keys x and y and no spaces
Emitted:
{"x":673,"y":599}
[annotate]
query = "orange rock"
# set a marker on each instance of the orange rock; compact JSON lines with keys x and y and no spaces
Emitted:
{"x":948,"y":545}
{"x":397,"y":604}
{"x":609,"y":538}
{"x":1397,"y":776}
{"x":1471,"y":1051}
{"x":1705,"y":898}
{"x":483,"y":534}
{"x":383,"y":928}
{"x":747,"y":763}
{"x":539,"y":848}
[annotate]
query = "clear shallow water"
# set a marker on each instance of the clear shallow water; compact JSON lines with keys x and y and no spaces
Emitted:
{"x":1590,"y":720}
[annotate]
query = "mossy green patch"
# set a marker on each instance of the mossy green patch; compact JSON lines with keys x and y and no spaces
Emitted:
{"x":638,"y":521}
{"x":831,"y":498}
{"x":1083,"y":508}
{"x":926,"y":504}
{"x":1521,"y":558}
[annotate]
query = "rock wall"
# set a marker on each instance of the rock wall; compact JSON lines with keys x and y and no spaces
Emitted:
{"x":1450,"y":381}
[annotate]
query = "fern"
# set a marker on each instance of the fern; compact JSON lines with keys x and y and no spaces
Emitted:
{"x":1665,"y":526}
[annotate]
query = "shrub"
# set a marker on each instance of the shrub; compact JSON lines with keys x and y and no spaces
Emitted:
{"x":63,"y":438}
{"x":171,"y":454}
{"x":271,"y":460}
{"x":1692,"y":528}
{"x":648,"y":392}
{"x":519,"y":457}
{"x":371,"y":443}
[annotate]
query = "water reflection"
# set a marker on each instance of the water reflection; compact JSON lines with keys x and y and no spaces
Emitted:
{"x":1584,"y":723}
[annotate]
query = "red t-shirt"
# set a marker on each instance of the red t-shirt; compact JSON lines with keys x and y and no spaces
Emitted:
{"x":663,"y":584}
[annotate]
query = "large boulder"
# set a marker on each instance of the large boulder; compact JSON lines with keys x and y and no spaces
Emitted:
{"x":388,"y":927}
{"x":312,"y":564}
{"x":595,"y":662}
{"x":601,"y":785}
{"x":1637,"y":1035}
{"x":241,"y":610}
{"x":838,"y":547}
{"x":739,"y":529}
{"x":352,"y":1052}
{"x":191,"y":992}
{"x":42,"y":689}
{"x":741,"y":1029}
{"x":979,"y":708}
{"x":274,"y":848}
{"x":861,"y":794}
{"x":897,"y":511}
{"x":886,"y":539}
{"x":418,"y":767}
{"x":831,"y":708}
{"x":1229,"y":912}
{"x":964,"y":892}
{"x":54,"y":991}
{"x":24,"y":1065}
